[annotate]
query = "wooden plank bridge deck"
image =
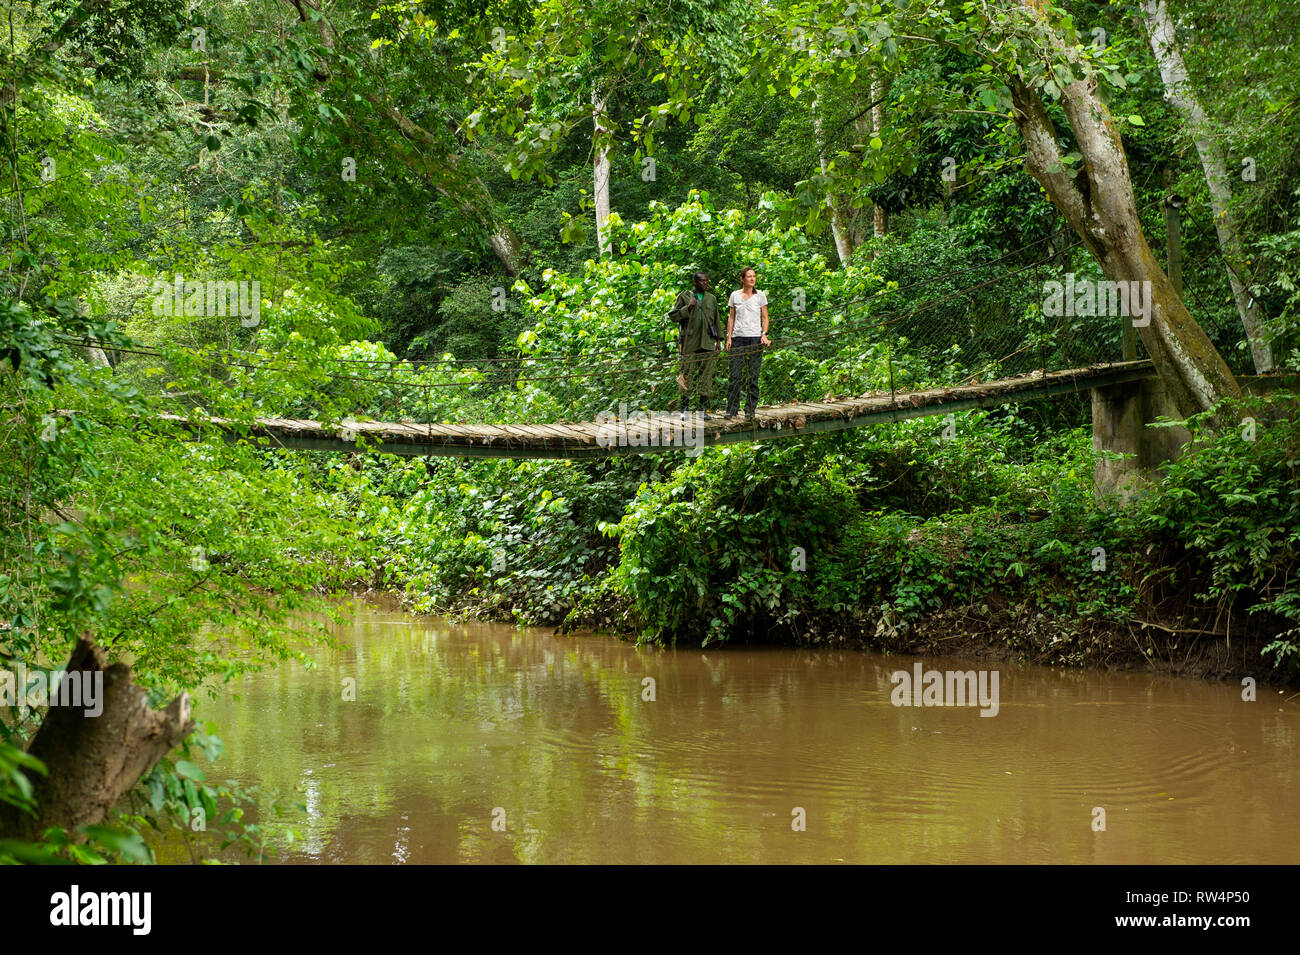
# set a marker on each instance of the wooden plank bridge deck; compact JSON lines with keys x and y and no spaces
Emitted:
{"x":594,"y":439}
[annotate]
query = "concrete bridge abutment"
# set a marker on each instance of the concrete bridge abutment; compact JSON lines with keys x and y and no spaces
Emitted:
{"x":1123,"y":421}
{"x":1121,"y":414}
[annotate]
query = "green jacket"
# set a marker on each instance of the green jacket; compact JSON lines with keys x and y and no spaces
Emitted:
{"x":699,"y":326}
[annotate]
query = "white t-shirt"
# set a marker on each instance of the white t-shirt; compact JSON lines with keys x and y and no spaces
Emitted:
{"x":749,"y":313}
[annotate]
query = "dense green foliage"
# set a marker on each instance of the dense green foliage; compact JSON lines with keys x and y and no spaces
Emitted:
{"x":411,"y":186}
{"x":1232,"y":507}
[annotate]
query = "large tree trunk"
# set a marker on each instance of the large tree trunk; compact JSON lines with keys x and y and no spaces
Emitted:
{"x":94,"y":760}
{"x":840,"y":225}
{"x":95,"y":354}
{"x":1179,"y":92}
{"x":860,"y":223}
{"x":600,"y":171}
{"x":880,"y":220}
{"x":94,"y":350}
{"x":508,"y":250}
{"x":1100,"y":208}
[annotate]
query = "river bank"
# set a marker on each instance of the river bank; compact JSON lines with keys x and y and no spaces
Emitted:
{"x":1005,"y":632}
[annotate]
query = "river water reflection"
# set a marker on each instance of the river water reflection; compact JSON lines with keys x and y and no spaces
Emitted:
{"x":453,"y":722}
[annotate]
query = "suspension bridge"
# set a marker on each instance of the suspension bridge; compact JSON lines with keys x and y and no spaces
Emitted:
{"x":933,"y":347}
{"x":653,"y":432}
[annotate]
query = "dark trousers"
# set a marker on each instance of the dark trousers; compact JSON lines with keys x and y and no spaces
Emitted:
{"x":746,"y":362}
{"x":697,"y":373}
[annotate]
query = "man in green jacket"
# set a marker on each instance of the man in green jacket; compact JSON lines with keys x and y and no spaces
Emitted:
{"x":696,"y":315}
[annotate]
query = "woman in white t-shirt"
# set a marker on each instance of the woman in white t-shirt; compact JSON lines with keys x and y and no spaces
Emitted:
{"x":746,"y":339}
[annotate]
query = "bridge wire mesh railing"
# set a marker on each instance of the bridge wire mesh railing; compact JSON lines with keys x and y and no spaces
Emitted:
{"x":880,"y":345}
{"x":931,"y":333}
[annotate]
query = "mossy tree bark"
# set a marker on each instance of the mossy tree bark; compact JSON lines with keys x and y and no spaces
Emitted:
{"x":1097,"y":202}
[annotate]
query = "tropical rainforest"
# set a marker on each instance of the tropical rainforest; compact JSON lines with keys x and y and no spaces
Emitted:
{"x":482,"y":212}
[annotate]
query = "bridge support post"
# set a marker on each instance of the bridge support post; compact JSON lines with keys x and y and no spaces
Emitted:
{"x":1120,"y":415}
{"x":1121,"y":418}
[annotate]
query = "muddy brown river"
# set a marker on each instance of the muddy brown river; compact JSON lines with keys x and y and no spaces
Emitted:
{"x":483,"y":743}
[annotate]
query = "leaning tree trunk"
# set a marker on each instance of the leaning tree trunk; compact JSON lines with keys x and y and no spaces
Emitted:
{"x":507,"y":248}
{"x":92,"y":761}
{"x":1178,"y":89}
{"x":444,"y":175}
{"x":1098,"y":203}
